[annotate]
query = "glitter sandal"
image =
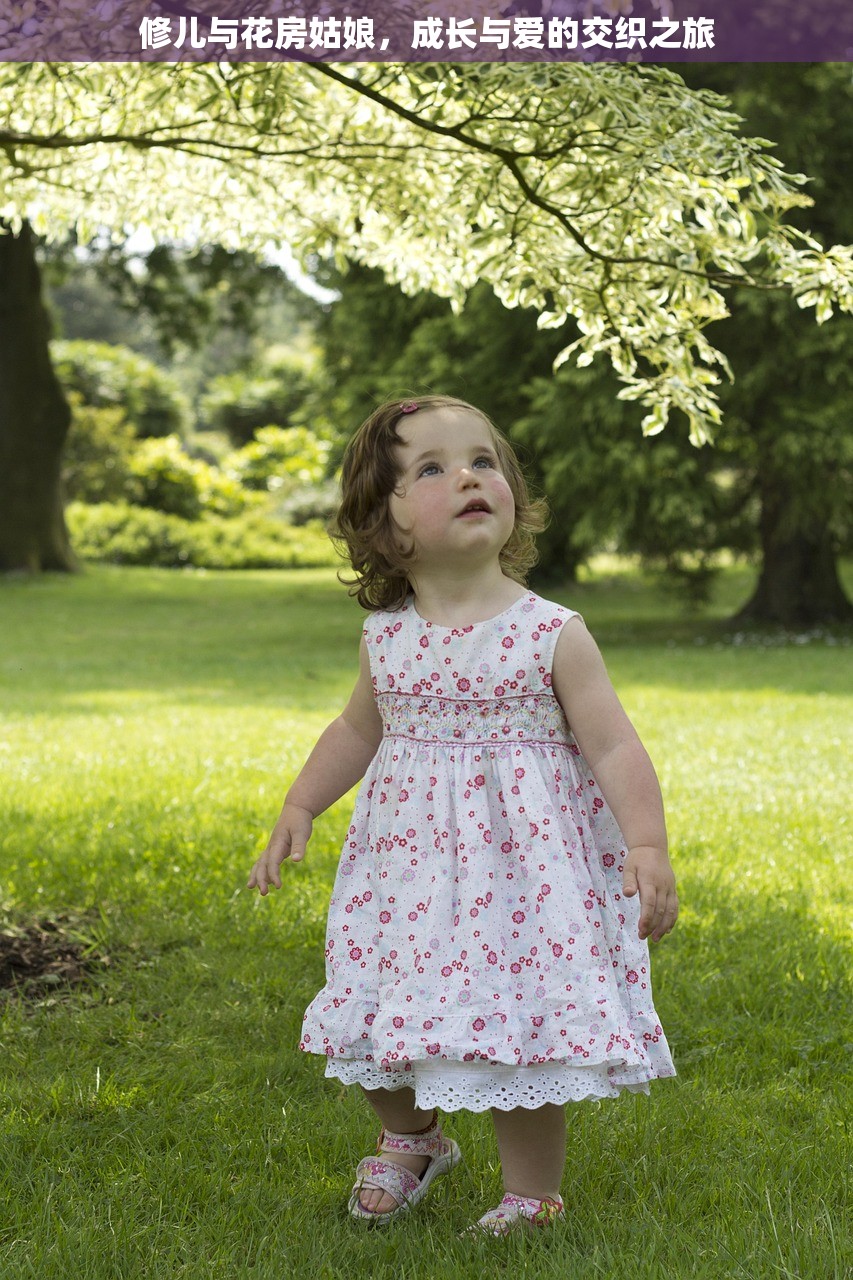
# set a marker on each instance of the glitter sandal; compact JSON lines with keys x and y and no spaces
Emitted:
{"x":516,"y":1212}
{"x":406,"y":1187}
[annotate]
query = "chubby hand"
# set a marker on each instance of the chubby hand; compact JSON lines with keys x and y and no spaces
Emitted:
{"x":648,"y":871}
{"x":289,"y":838}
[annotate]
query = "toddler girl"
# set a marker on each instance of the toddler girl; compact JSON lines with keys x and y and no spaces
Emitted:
{"x":506,"y":860}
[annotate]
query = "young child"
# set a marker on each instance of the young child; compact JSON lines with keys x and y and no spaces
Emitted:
{"x":506,"y":860}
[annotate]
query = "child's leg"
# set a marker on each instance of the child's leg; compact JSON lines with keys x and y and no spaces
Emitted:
{"x":397,"y":1111}
{"x":532,"y":1146}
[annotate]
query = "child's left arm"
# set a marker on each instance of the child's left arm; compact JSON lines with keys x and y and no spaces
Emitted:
{"x":623,"y":770}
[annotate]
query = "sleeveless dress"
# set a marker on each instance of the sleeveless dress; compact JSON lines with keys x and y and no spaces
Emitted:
{"x":479,"y":948}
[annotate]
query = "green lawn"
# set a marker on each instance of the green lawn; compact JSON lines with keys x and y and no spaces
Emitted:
{"x":161,"y":1122}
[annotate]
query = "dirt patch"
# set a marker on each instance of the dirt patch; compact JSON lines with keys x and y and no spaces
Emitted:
{"x":41,"y":956}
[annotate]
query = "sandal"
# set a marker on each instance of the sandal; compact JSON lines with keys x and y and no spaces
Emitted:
{"x":514,"y":1212}
{"x":406,"y":1187}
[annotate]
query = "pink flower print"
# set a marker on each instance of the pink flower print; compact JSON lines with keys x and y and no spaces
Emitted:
{"x":446,"y":971}
{"x":506,"y":847}
{"x":538,"y":1020}
{"x":546,"y":889}
{"x":597,"y":804}
{"x":519,"y":773}
{"x":463,"y":685}
{"x":492,"y":958}
{"x":480,"y":780}
{"x":355,"y":954}
{"x":557,"y":949}
{"x":515,"y":967}
{"x":424,"y":642}
{"x":608,"y":859}
{"x":433,"y":1048}
{"x":404,"y":795}
{"x":416,"y":688}
{"x":500,"y":690}
{"x":632,"y":976}
{"x":428,"y":1025}
{"x":507,"y":642}
{"x":518,"y":917}
{"x":478,"y":1024}
{"x":397,"y":1022}
{"x":413,"y":915}
{"x":385,"y":917}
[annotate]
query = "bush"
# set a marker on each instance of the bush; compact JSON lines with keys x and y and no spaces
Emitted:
{"x":271,"y":392}
{"x":114,"y":377}
{"x":167,"y":479}
{"x":279,"y":459}
{"x":119,"y":533}
{"x":98,"y":453}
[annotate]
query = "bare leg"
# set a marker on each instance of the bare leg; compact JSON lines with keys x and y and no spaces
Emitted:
{"x":397,"y":1111}
{"x":532,"y":1146}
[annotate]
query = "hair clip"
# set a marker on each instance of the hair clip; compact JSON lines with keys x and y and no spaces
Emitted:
{"x":409,"y":407}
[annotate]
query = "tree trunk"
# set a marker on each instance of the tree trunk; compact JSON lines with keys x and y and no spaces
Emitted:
{"x":34,"y":419}
{"x":798,"y":584}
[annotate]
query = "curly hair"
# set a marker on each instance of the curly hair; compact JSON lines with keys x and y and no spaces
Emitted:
{"x":364,"y":529}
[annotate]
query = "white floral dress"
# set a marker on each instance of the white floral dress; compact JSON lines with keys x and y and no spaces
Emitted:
{"x":479,"y":948}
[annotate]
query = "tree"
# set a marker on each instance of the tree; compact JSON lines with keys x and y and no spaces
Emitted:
{"x":34,"y":418}
{"x":609,"y":193}
{"x":788,"y":424}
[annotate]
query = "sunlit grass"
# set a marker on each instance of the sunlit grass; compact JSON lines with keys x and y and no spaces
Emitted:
{"x":162,"y":1122}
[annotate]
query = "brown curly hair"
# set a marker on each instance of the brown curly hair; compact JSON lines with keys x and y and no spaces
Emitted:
{"x":364,"y":530}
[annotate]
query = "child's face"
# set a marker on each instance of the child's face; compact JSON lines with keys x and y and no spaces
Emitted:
{"x":451,"y":499}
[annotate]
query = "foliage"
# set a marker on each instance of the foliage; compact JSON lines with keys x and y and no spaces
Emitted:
{"x":119,"y":533}
{"x":279,"y":459}
{"x":239,"y":403}
{"x":164,"y":476}
{"x":97,"y":459}
{"x":167,"y":479}
{"x":107,"y":376}
{"x":610,"y":193}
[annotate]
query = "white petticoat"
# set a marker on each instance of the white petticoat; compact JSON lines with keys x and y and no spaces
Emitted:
{"x":458,"y":1086}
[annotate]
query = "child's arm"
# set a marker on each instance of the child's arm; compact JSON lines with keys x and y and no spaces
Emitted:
{"x":339,"y":760}
{"x":624,"y":772}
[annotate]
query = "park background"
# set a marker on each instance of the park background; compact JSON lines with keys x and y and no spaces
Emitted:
{"x":157,"y":1116}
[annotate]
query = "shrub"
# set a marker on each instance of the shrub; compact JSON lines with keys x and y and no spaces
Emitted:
{"x":97,"y":458}
{"x":167,"y":479}
{"x":106,"y":376}
{"x":271,"y":392}
{"x":280,"y":459}
{"x":119,"y":533}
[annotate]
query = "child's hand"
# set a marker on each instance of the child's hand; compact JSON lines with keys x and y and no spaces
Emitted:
{"x":288,"y":840}
{"x":648,"y":871}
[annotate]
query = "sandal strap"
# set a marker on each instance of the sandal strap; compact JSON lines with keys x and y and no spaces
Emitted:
{"x":384,"y":1175}
{"x":425,"y":1142}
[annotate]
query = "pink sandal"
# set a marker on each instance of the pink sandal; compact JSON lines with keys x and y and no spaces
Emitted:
{"x":517,"y":1211}
{"x":406,"y":1188}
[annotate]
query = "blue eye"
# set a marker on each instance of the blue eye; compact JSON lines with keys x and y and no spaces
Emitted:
{"x":488,"y":461}
{"x":428,"y":468}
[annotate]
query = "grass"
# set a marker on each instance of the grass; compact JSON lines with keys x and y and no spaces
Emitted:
{"x":161,"y":1122}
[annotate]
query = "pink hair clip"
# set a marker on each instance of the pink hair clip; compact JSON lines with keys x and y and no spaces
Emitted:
{"x":409,"y":407}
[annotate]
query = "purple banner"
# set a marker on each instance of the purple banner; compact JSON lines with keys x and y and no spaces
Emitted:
{"x":655,"y":31}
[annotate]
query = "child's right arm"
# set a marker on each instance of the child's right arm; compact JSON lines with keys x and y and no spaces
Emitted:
{"x":339,"y":760}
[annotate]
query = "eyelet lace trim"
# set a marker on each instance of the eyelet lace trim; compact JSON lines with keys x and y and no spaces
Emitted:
{"x":534,"y":717}
{"x":457,"y":1086}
